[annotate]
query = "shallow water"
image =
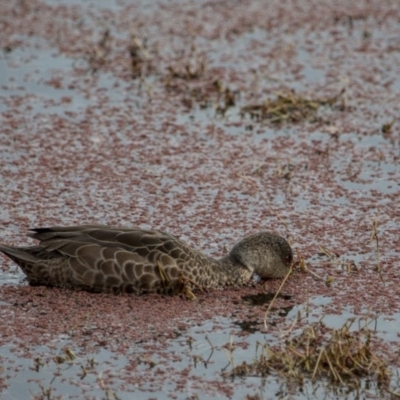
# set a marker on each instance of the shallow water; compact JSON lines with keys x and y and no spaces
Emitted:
{"x":201,"y":354}
{"x":82,"y":147}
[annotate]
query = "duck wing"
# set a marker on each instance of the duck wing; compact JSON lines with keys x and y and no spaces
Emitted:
{"x":102,"y":258}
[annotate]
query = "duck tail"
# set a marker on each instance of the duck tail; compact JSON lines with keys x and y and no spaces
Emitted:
{"x":18,"y":254}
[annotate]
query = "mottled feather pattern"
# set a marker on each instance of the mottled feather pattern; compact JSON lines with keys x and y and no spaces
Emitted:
{"x":106,"y":259}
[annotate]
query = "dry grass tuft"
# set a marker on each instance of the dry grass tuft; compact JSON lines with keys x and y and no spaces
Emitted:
{"x":288,"y":107}
{"x":341,"y":356}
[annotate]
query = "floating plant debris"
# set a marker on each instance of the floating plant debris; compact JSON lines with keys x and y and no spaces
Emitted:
{"x":111,"y":115}
{"x":140,"y":58}
{"x":99,"y":52}
{"x":190,"y":65}
{"x":341,"y":356}
{"x":288,"y":107}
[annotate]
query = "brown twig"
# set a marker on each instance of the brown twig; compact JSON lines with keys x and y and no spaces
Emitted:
{"x":276,"y":295}
{"x":374,"y":236}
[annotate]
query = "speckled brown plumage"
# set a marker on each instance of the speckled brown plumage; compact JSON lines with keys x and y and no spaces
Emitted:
{"x":106,"y":259}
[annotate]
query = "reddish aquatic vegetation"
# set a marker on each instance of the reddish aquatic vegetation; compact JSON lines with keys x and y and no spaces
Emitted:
{"x":84,"y":141}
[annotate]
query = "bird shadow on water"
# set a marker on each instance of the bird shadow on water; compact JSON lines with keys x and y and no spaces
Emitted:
{"x":260,"y":299}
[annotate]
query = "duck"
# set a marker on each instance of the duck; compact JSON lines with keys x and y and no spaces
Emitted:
{"x":100,"y":258}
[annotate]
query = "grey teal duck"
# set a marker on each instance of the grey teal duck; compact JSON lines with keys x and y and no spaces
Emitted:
{"x":105,"y":259}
